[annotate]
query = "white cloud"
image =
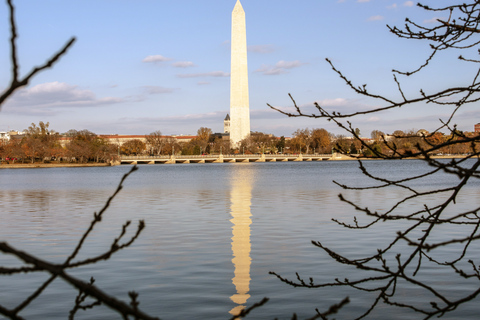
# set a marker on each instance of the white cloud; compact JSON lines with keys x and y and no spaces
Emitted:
{"x":266,"y":114}
{"x":183,"y":64}
{"x":157,"y":89}
{"x":409,"y":4}
{"x":434,"y":20}
{"x":393,"y":6}
{"x":266,"y":48}
{"x":362,"y":1}
{"x":216,"y":116}
{"x":341,"y":105}
{"x":279,"y":68}
{"x":57,"y":95}
{"x":270,"y":70}
{"x":338,"y":102}
{"x":375,"y":18}
{"x":155,"y":58}
{"x":205,"y":74}
{"x":288,"y":64}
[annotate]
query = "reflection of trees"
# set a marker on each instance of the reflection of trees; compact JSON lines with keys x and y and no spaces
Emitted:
{"x":241,"y":197}
{"x":32,"y":201}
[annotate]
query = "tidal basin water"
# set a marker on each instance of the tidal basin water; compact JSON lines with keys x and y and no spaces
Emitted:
{"x":213,"y":233}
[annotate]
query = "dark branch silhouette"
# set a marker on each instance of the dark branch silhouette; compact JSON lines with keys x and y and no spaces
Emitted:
{"x":89,"y":296}
{"x":35,"y":264}
{"x":389,"y":270}
{"x":18,"y":82}
{"x":86,"y":289}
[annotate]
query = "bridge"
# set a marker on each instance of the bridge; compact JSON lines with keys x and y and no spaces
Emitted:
{"x":220,"y":158}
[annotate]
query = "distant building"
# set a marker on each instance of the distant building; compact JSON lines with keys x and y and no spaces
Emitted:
{"x":388,"y":137}
{"x":477,"y":128}
{"x":119,"y":139}
{"x":422,"y":132}
{"x":4,"y":136}
{"x":226,"y":124}
{"x":223,"y":136}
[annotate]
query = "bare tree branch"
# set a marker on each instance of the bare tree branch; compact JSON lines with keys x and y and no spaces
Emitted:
{"x":387,"y":274}
{"x":16,"y":81}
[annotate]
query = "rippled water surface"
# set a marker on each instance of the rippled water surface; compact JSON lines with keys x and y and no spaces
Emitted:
{"x":214,"y":231}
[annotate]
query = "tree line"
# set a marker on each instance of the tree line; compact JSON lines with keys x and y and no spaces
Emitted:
{"x":39,"y":143}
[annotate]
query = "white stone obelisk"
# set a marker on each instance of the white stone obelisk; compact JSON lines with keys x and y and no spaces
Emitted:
{"x":239,"y":106}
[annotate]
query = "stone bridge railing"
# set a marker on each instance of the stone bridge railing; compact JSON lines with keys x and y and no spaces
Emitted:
{"x":219,"y":158}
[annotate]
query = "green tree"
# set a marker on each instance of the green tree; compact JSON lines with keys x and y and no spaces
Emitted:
{"x":281,"y":144}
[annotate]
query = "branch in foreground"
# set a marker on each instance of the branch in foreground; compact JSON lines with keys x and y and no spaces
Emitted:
{"x":16,"y":82}
{"x":86,"y":289}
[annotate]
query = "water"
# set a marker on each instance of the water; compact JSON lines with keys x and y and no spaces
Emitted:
{"x":214,"y":231}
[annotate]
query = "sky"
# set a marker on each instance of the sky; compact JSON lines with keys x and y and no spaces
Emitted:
{"x":140,"y":66}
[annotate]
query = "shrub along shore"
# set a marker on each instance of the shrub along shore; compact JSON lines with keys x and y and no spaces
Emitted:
{"x":51,"y":165}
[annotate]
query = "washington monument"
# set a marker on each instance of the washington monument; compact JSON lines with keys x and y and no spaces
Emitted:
{"x":239,"y":106}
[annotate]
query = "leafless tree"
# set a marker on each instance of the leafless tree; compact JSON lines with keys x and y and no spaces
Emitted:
{"x":384,"y":273}
{"x":259,"y":142}
{"x":33,"y":264}
{"x":155,"y":142}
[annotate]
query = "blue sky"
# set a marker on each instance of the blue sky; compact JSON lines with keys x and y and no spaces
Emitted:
{"x":146,"y":65}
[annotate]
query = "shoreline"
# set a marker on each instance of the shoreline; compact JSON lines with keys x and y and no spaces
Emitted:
{"x":79,"y":165}
{"x":51,"y":165}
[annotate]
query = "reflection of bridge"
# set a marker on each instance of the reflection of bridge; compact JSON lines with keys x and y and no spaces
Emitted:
{"x":218,"y":158}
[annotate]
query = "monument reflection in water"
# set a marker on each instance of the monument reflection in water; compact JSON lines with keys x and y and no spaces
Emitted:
{"x":241,"y":199}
